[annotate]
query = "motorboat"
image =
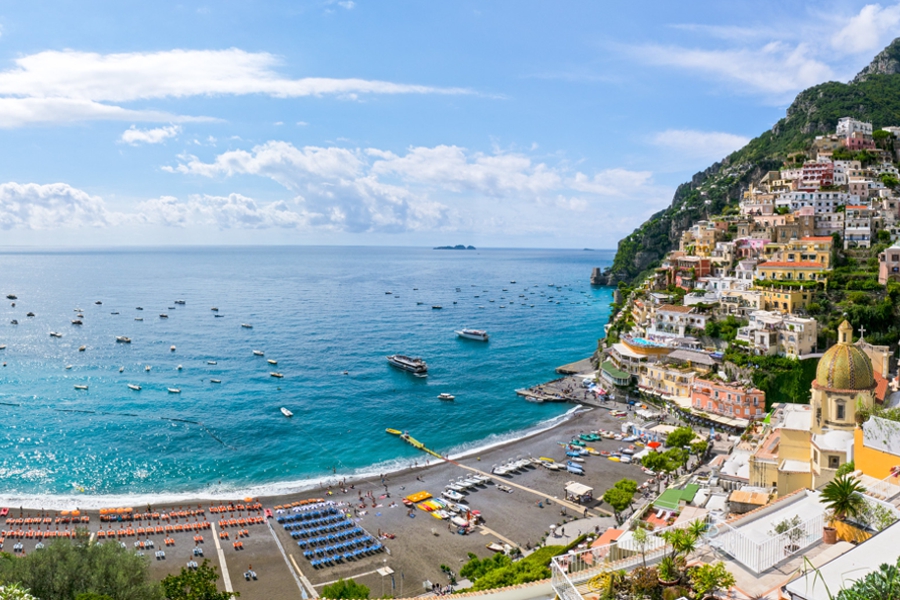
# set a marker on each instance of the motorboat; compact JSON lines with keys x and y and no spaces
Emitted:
{"x":218,"y":316}
{"x":147,"y":368}
{"x":215,"y":381}
{"x":174,"y":390}
{"x":123,"y":340}
{"x":82,"y":348}
{"x":2,"y":346}
{"x":180,"y":302}
{"x":214,"y":309}
{"x":134,"y":387}
{"x":77,"y":322}
{"x":258,"y":353}
{"x":505,"y":488}
{"x":246,"y":325}
{"x":272,"y":361}
{"x":163,"y":316}
{"x":446,"y":396}
{"x":179,"y":368}
{"x":171,"y":308}
{"x":473,"y":334}
{"x":211,"y":362}
{"x":452,"y":495}
{"x":14,"y":322}
{"x":115,"y":312}
{"x":139,"y":318}
{"x":276,"y":375}
{"x":407,"y":363}
{"x":31,"y":314}
{"x":68,"y":367}
{"x":121,"y":369}
{"x":138,"y":308}
{"x":436,"y":307}
{"x":98,"y":303}
{"x":286,"y":412}
{"x":12,"y":297}
{"x":55,"y":334}
{"x":81,"y":387}
{"x":172,"y":348}
{"x":455,"y":487}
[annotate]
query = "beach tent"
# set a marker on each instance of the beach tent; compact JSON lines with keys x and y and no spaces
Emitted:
{"x":578,"y":490}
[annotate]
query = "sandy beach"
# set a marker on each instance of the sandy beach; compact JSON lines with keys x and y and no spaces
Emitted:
{"x":420,"y":544}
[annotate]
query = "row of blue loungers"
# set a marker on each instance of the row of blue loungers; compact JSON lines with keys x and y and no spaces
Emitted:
{"x":345,"y":551}
{"x":328,"y":537}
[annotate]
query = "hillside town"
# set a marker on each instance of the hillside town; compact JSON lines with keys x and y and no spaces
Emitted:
{"x":762,"y":333}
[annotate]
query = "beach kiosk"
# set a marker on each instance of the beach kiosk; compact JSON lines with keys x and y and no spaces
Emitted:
{"x":579,"y":492}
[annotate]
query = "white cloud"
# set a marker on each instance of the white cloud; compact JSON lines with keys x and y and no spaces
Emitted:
{"x":348,"y":4}
{"x":611,"y":182}
{"x":135,"y":136}
{"x":703,"y":145}
{"x":302,"y":123}
{"x":776,"y":68}
{"x":869,"y":30}
{"x":51,"y":206}
{"x":67,"y":85}
{"x":234,"y":211}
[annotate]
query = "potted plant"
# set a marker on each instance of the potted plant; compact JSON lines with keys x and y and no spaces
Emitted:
{"x":843,"y":497}
{"x":708,"y":578}
{"x":668,"y":571}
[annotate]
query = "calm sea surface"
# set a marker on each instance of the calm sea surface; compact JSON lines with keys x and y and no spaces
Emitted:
{"x":318,"y":311}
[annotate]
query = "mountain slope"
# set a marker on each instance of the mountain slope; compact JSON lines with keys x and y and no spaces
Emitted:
{"x":873,"y":95}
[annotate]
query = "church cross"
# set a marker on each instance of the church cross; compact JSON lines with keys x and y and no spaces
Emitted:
{"x":862,"y":332}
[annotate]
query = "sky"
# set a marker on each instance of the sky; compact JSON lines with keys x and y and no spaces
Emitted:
{"x":357,"y":122}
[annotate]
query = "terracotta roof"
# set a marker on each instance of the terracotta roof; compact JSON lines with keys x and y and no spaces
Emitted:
{"x":673,"y":308}
{"x":802,"y":264}
{"x":857,"y":206}
{"x":607,"y":537}
{"x":881,"y":386}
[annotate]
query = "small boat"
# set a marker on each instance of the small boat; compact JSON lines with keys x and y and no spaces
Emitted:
{"x":114,"y":312}
{"x":258,"y":353}
{"x":2,"y":346}
{"x":215,"y":381}
{"x":68,"y":367}
{"x":414,"y":365}
{"x":174,"y":390}
{"x":214,"y":309}
{"x":134,"y":387}
{"x":179,"y":367}
{"x":55,"y":334}
{"x":436,"y":307}
{"x":81,"y":387}
{"x":147,"y":368}
{"x":138,"y":318}
{"x":163,"y":316}
{"x":505,"y":488}
{"x":419,"y":303}
{"x":446,"y":396}
{"x":98,"y":303}
{"x":393,"y":431}
{"x":512,"y":280}
{"x":31,"y":314}
{"x":211,"y":362}
{"x":82,"y":348}
{"x":246,"y":325}
{"x":452,"y":495}
{"x":13,"y":322}
{"x":121,"y":369}
{"x":180,"y":302}
{"x":77,"y":322}
{"x":286,"y":412}
{"x":12,"y":297}
{"x":272,"y":362}
{"x":276,"y":375}
{"x":473,"y":334}
{"x":123,"y":340}
{"x":218,"y":316}
{"x":388,"y":293}
{"x":172,"y":348}
{"x":138,"y":308}
{"x":171,"y":308}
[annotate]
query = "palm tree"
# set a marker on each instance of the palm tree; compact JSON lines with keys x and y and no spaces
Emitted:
{"x":844,"y":497}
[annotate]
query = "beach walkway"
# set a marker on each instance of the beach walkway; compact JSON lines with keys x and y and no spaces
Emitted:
{"x":579,"y":367}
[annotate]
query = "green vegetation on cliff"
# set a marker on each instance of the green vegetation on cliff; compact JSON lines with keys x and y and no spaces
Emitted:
{"x":873,"y":96}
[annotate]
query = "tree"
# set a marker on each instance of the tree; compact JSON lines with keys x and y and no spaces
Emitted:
{"x":345,"y":588}
{"x":843,"y":496}
{"x":14,"y":591}
{"x":641,"y":539}
{"x":680,"y":437}
{"x":845,"y":469}
{"x":93,"y":596}
{"x":618,"y":499}
{"x":699,"y":448}
{"x":197,"y":584}
{"x":883,"y":583}
{"x":889,"y":180}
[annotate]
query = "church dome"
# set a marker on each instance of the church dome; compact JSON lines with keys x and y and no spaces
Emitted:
{"x":844,"y":366}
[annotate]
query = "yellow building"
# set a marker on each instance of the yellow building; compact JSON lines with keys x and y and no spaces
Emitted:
{"x":817,"y":439}
{"x":876,"y":449}
{"x":778,"y":270}
{"x":784,"y":299}
{"x":669,"y":382}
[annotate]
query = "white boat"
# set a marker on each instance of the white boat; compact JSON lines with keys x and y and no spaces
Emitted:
{"x":134,"y":387}
{"x":258,"y":353}
{"x":215,"y":381}
{"x":68,"y":367}
{"x":178,"y":368}
{"x":272,"y":362}
{"x":211,"y":362}
{"x":473,"y":334}
{"x":452,"y":495}
{"x":286,"y":412}
{"x":121,"y":369}
{"x":276,"y":375}
{"x":446,"y":396}
{"x":407,"y":363}
{"x":2,"y":346}
{"x":505,"y":488}
{"x":80,"y":348}
{"x":55,"y":334}
{"x":172,"y":348}
{"x":81,"y":387}
{"x":147,"y":368}
{"x":174,"y":390}
{"x":456,"y":487}
{"x":436,"y":307}
{"x":246,"y":325}
{"x":77,"y":322}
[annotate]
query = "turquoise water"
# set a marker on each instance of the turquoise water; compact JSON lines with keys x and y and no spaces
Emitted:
{"x":318,"y":311}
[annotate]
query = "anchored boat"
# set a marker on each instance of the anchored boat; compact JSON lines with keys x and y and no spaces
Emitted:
{"x":473,"y":334}
{"x":412,"y":364}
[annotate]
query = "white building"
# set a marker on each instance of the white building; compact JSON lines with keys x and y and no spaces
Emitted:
{"x":822,"y":202}
{"x":772,"y":333}
{"x":675,"y":321}
{"x":847,"y":126}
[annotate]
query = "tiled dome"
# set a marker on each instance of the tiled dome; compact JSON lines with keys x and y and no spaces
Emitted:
{"x":844,"y":366}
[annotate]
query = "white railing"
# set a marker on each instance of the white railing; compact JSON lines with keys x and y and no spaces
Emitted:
{"x":760,"y":556}
{"x":885,"y":489}
{"x":569,"y":571}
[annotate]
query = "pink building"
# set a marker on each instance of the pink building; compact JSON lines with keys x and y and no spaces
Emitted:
{"x":858,"y":141}
{"x":727,"y":399}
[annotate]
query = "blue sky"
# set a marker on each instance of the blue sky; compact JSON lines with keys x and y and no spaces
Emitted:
{"x":517,"y":123}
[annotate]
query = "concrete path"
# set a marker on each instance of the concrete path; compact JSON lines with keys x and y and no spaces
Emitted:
{"x":291,"y":568}
{"x":226,"y":578}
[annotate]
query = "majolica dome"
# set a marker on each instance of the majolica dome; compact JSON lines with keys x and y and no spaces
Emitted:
{"x":844,"y":366}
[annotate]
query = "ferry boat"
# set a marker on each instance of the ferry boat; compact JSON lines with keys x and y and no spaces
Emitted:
{"x":407,"y":363}
{"x":473,"y":334}
{"x":446,"y":396}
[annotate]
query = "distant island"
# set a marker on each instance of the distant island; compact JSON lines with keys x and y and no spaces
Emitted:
{"x":456,"y":247}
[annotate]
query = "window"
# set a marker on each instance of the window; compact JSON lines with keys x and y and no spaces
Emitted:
{"x":834,"y":462}
{"x":841,"y":411}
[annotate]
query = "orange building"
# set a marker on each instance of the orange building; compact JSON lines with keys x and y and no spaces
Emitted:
{"x":730,"y":400}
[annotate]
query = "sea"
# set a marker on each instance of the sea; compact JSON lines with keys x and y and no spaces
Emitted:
{"x":329,"y":316}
